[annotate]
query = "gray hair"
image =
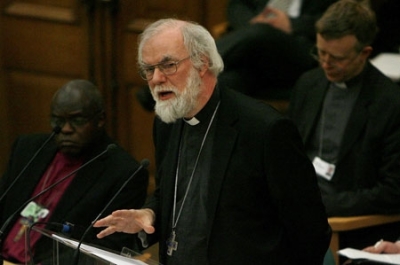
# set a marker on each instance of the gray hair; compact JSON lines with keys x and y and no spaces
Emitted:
{"x":197,"y":40}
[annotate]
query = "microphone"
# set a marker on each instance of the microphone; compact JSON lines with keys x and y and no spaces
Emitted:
{"x":143,"y":164}
{"x":65,"y":228}
{"x":6,"y":223}
{"x":56,"y":130}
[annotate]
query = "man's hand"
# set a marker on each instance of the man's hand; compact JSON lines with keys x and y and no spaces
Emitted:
{"x":274,"y":17}
{"x":384,"y":247}
{"x":127,"y":221}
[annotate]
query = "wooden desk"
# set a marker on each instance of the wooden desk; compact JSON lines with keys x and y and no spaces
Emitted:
{"x":342,"y":224}
{"x":8,"y":263}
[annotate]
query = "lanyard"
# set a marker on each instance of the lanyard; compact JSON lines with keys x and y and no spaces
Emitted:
{"x":175,"y":221}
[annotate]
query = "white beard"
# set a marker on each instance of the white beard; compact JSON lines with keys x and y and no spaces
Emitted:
{"x":183,"y":103}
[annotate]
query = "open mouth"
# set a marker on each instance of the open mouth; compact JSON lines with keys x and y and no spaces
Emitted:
{"x":165,"y":95}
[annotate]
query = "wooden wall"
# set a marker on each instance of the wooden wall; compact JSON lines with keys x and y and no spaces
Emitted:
{"x":45,"y":43}
{"x":4,"y":128}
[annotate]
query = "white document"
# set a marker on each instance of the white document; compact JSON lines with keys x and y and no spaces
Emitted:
{"x":388,"y":64}
{"x":358,"y":254}
{"x":105,"y":255}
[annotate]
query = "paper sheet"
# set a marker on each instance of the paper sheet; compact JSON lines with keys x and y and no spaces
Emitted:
{"x":358,"y":254}
{"x":389,"y":64}
{"x":105,"y":255}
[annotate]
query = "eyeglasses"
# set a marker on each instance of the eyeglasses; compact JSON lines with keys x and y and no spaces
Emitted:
{"x":167,"y":68}
{"x":75,"y":122}
{"x":319,"y":55}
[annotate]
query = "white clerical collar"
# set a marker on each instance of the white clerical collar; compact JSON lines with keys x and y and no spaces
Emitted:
{"x":341,"y":85}
{"x":193,"y":121}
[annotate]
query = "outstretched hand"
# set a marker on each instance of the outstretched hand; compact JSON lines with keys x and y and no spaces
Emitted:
{"x":384,"y":247}
{"x":127,"y":221}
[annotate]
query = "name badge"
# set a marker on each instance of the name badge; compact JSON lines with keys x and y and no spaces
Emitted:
{"x":323,"y":168}
{"x":34,"y":212}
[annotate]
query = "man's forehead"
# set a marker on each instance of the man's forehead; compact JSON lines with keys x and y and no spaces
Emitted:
{"x":70,"y":105}
{"x":70,"y":109}
{"x":163,"y":47}
{"x":337,"y":46}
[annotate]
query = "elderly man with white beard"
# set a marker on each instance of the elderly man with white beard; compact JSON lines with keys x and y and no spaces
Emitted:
{"x":233,"y":183}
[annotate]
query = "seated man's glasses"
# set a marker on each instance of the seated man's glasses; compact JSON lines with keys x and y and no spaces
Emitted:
{"x":167,"y":68}
{"x":336,"y":61}
{"x":74,"y":121}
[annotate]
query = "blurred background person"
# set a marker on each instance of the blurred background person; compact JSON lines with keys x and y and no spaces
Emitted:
{"x":348,"y":114}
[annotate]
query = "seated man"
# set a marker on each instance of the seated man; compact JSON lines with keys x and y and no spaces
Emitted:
{"x":348,"y":114}
{"x":77,"y":114}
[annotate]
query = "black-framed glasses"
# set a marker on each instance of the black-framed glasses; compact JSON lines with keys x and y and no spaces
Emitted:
{"x":74,"y":121}
{"x":167,"y":68}
{"x":319,"y":56}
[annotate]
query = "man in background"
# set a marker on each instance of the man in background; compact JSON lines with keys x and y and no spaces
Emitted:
{"x":348,"y":114}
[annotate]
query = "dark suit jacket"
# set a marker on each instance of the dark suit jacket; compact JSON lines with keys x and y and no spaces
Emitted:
{"x":89,"y":192}
{"x":264,"y":203}
{"x":367,"y":176}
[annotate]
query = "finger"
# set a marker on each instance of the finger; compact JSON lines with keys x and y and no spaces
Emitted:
{"x":149,"y":229}
{"x":106,"y":232}
{"x":265,"y":12}
{"x":103,"y":222}
{"x":371,"y":249}
{"x":123,"y":213}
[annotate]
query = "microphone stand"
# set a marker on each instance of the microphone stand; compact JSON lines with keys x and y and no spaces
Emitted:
{"x":56,"y":130}
{"x":6,"y":223}
{"x":143,"y":164}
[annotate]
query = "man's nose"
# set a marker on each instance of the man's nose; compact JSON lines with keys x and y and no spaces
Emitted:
{"x":67,"y":127}
{"x":158,"y":76}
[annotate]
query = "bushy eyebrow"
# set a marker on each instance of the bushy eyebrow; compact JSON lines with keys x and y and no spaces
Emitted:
{"x":165,"y":59}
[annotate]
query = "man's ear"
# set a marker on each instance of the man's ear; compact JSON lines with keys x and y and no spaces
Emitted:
{"x":367,"y":51}
{"x":102,"y":120}
{"x":204,"y":67}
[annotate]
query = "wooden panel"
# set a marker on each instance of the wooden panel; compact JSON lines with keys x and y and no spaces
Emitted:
{"x":5,"y":142}
{"x":44,"y":44}
{"x":155,"y":9}
{"x":130,"y":58}
{"x":45,"y":12}
{"x":140,"y":127}
{"x":44,"y":47}
{"x":215,"y":13}
{"x":58,"y":3}
{"x":29,"y":96}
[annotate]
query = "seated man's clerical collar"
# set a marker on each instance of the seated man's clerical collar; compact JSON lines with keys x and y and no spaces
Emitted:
{"x":192,"y":121}
{"x":341,"y":85}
